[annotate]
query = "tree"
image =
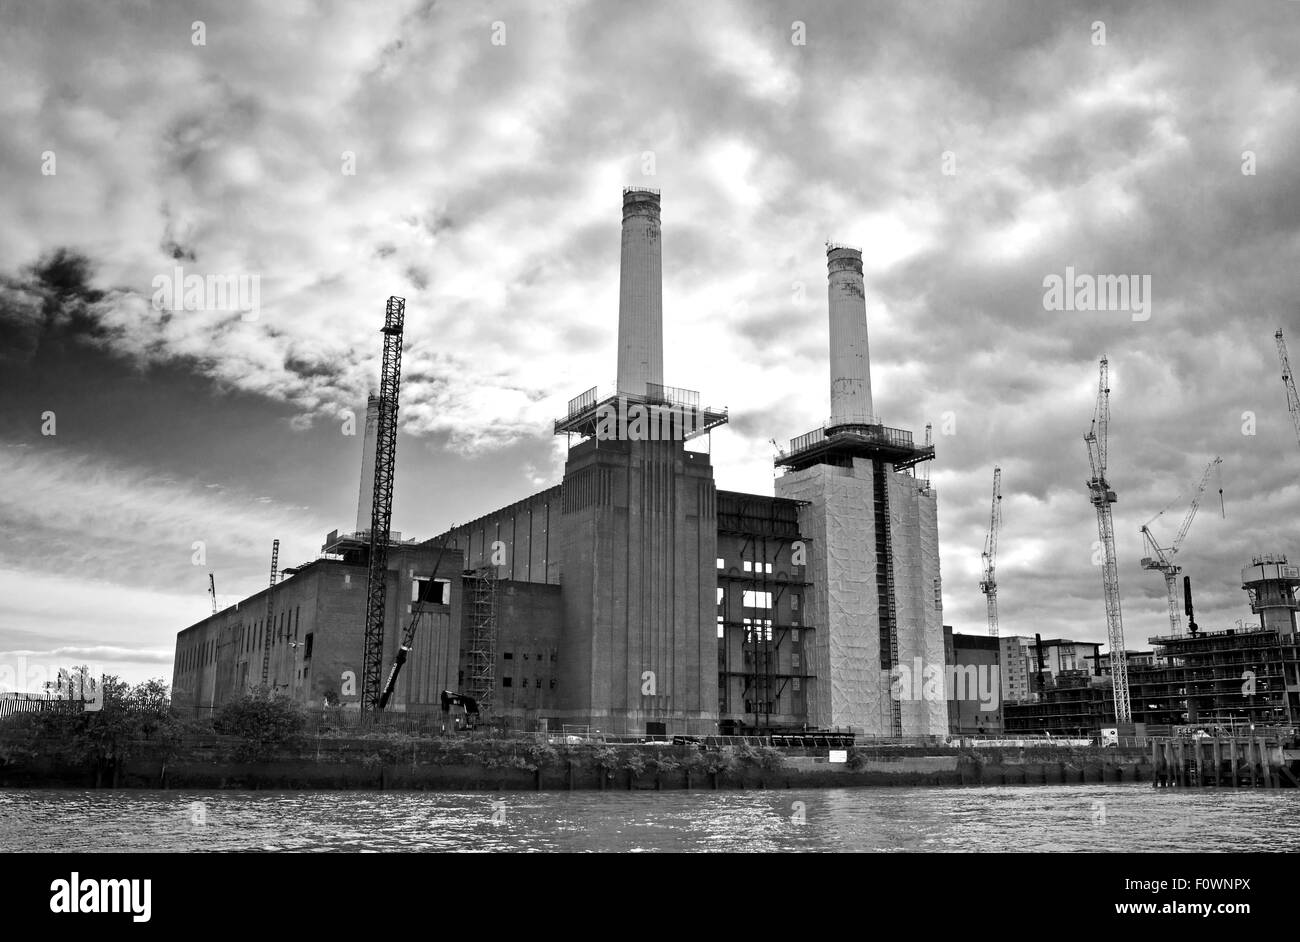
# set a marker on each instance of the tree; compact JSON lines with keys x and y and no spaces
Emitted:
{"x":128,"y":720}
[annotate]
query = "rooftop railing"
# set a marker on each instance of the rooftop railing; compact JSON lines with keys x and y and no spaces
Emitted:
{"x":870,"y":429}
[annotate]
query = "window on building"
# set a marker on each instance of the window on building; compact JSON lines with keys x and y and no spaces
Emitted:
{"x":767,"y":567}
{"x":431,"y":591}
{"x":507,"y":656}
{"x":722,"y":594}
{"x":796,"y":683}
{"x":757,"y":629}
{"x":938,"y":595}
{"x":794,"y":602}
{"x":794,"y":661}
{"x":505,"y":681}
{"x":754,"y":599}
{"x":749,"y":567}
{"x":794,"y":636}
{"x":524,"y":683}
{"x":306,"y":647}
{"x":722,"y":563}
{"x":721,"y":630}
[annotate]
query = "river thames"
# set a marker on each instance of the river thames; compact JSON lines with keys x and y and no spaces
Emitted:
{"x":1052,"y":818}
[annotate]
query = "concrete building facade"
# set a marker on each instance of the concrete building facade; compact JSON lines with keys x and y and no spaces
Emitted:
{"x":974,"y":657}
{"x":314,"y":634}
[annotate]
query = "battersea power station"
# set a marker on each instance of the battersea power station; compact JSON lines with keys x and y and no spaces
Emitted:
{"x":635,"y":596}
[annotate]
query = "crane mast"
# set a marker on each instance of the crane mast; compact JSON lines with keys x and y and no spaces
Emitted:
{"x":266,"y":627}
{"x":1161,"y":559}
{"x":1102,"y":497}
{"x":1292,"y":399}
{"x":381,"y":506}
{"x":990,"y":586}
{"x":212,"y":591}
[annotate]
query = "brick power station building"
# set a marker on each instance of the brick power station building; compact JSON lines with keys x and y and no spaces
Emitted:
{"x":635,"y":596}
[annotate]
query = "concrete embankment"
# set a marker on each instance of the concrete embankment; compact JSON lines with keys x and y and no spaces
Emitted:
{"x":468,"y":765}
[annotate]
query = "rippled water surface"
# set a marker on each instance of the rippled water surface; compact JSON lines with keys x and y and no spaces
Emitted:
{"x":1056,"y":818}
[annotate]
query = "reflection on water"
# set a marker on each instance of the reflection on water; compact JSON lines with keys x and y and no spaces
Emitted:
{"x":1054,"y":818}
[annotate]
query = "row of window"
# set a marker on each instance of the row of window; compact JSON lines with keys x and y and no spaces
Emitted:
{"x":198,"y":655}
{"x":541,"y":656}
{"x":748,"y":566}
{"x":251,"y":638}
{"x":761,"y":633}
{"x":537,"y":682}
{"x":254,"y":636}
{"x":766,"y":659}
{"x":752,"y":598}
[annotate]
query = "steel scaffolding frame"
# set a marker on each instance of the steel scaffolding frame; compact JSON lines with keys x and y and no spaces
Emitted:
{"x":481,"y":658}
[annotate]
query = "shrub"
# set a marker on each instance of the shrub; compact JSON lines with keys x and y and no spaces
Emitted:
{"x":664,"y":764}
{"x":261,"y":720}
{"x":760,"y":757}
{"x":634,"y":762}
{"x":718,"y":762}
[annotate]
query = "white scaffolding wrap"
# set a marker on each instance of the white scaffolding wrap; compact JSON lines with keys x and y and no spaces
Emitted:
{"x":839,"y":521}
{"x":853,"y":688}
{"x":932,"y":596}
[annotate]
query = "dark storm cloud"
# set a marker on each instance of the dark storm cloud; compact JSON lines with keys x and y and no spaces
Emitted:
{"x":52,"y":301}
{"x":486,"y":188}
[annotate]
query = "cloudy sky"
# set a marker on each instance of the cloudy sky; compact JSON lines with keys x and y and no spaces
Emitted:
{"x":489,"y":147}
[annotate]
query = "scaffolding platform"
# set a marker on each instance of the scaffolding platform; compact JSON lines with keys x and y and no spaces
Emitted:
{"x":666,"y":408}
{"x":840,"y":444}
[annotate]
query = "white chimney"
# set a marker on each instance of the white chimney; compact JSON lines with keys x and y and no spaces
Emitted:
{"x":850,"y":356}
{"x":365,"y":499}
{"x":640,"y":294}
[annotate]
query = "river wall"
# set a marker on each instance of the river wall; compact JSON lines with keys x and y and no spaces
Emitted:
{"x":461,"y":765}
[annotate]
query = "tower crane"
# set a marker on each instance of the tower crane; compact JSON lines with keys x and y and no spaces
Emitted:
{"x":266,"y":626}
{"x":1101,"y":495}
{"x":212,"y":591}
{"x":1161,"y":559}
{"x":990,"y":586}
{"x":381,"y":505}
{"x":1292,"y":399}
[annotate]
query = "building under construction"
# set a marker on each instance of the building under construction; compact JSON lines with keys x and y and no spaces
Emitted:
{"x":635,"y":596}
{"x":1208,"y":679}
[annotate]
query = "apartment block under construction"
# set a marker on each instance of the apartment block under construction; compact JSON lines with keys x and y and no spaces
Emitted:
{"x":1232,"y":678}
{"x":634,"y":596}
